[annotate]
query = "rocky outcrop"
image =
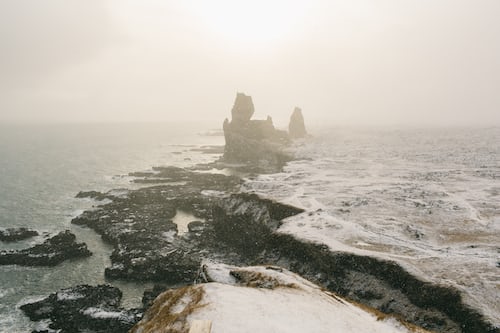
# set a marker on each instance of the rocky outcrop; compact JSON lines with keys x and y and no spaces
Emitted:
{"x":61,"y":247}
{"x":148,"y":246}
{"x":16,"y":234}
{"x":84,"y":308}
{"x":253,"y":141}
{"x":140,"y":225}
{"x":297,"y":128}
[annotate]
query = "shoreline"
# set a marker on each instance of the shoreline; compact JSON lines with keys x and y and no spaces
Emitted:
{"x":200,"y":193}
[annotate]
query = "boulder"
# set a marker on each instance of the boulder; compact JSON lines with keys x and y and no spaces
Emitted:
{"x":297,"y":128}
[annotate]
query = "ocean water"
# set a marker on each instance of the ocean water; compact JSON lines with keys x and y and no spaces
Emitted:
{"x":43,"y":167}
{"x":426,"y":198}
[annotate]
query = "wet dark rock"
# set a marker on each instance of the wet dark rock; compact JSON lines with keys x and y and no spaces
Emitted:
{"x":141,"y":174}
{"x":296,"y":127}
{"x":146,"y":243}
{"x":169,"y":264}
{"x":84,"y":308}
{"x":92,"y":195}
{"x":245,"y":221}
{"x":16,"y":234}
{"x":253,"y":141}
{"x":191,"y":178}
{"x":209,"y":149}
{"x":53,"y":251}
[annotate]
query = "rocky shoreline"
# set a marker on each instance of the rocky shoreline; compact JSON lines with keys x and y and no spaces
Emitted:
{"x":233,"y":228}
{"x":241,"y":229}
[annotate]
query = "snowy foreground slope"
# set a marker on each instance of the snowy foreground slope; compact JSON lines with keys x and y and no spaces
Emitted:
{"x":260,"y":299}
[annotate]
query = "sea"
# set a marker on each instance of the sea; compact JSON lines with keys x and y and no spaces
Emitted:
{"x":426,"y":198}
{"x":43,"y":167}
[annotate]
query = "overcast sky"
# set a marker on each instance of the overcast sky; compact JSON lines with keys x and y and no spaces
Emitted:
{"x":367,"y":62}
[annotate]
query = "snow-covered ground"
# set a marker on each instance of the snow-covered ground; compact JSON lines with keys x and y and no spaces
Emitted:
{"x":428,"y":199}
{"x":263,"y":299}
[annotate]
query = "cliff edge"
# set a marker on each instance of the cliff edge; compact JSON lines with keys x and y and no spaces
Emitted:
{"x":261,"y":299}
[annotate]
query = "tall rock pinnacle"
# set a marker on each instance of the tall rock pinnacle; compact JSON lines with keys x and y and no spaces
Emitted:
{"x":297,"y":128}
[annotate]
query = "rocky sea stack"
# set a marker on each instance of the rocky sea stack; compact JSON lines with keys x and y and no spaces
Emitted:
{"x":297,"y":128}
{"x":254,"y":141}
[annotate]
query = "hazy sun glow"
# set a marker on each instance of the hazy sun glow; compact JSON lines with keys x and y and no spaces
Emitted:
{"x":347,"y":61}
{"x":249,"y":22}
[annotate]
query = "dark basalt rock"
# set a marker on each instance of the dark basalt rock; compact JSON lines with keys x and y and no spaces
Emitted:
{"x":381,"y":284}
{"x":139,"y":225}
{"x":91,"y":194}
{"x":84,"y":308}
{"x":168,"y":264}
{"x":297,"y":128}
{"x":54,"y":250}
{"x":245,"y":221}
{"x":16,"y":234}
